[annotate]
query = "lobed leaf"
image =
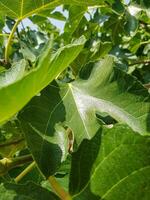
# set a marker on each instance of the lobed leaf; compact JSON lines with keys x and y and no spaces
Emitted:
{"x":108,"y":91}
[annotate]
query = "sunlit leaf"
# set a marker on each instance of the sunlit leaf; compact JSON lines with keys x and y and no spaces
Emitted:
{"x":47,"y":69}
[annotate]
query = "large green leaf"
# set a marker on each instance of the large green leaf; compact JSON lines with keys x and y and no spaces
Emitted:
{"x":108,"y":91}
{"x":21,"y":9}
{"x":11,"y":139}
{"x":14,"y":95}
{"x":83,"y":2}
{"x":115,"y":164}
{"x":30,"y":191}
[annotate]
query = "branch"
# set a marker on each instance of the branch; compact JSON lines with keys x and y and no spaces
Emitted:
{"x":58,"y":189}
{"x":140,"y":62}
{"x":14,"y":142}
{"x":10,"y":39}
{"x":4,"y":34}
{"x":25,"y":172}
{"x":8,"y":163}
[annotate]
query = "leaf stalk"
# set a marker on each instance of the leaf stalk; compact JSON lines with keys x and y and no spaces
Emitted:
{"x":10,"y":39}
{"x":58,"y":189}
{"x":140,"y":62}
{"x":25,"y":172}
{"x":8,"y":163}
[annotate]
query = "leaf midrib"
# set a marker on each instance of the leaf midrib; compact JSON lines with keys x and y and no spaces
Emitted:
{"x":21,"y":9}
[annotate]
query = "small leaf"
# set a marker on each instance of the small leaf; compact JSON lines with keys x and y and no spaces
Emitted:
{"x":131,"y":24}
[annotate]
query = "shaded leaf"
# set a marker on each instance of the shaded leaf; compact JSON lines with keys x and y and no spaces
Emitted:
{"x":100,"y":50}
{"x":12,"y":139}
{"x":49,"y":137}
{"x":30,"y":191}
{"x":131,"y":24}
{"x":88,"y":151}
{"x":43,"y":148}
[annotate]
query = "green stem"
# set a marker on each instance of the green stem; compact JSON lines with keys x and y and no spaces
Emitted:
{"x":140,"y":62}
{"x":21,"y":160}
{"x":14,"y":142}
{"x":9,"y":40}
{"x":25,"y":171}
{"x":4,"y":34}
{"x":58,"y":189}
{"x":8,"y":163}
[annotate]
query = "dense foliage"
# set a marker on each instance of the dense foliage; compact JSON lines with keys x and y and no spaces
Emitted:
{"x":74,"y":101}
